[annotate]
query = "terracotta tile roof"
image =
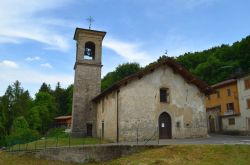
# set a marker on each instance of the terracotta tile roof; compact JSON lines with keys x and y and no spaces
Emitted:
{"x":224,"y":83}
{"x":177,"y":68}
{"x":63,"y":117}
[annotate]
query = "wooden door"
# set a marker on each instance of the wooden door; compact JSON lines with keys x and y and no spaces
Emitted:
{"x":165,"y":131}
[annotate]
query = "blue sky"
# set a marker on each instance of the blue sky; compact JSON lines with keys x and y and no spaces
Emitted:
{"x":36,"y":37}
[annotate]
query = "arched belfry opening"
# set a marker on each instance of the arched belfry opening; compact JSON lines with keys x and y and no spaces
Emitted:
{"x":165,"y":126}
{"x":89,"y":51}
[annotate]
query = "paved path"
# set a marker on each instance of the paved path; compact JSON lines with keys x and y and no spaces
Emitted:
{"x":211,"y":139}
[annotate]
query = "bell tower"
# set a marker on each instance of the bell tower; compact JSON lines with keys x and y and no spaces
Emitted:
{"x":87,"y":82}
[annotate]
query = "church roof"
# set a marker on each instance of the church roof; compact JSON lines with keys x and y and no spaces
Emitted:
{"x":177,"y":68}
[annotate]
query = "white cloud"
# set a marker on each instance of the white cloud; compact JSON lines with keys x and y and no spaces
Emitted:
{"x":19,"y":21}
{"x":32,"y":79}
{"x":47,"y":65}
{"x":36,"y":58}
{"x":129,"y":51}
{"x":8,"y":64}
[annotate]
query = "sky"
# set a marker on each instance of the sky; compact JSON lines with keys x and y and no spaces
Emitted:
{"x":36,"y":37}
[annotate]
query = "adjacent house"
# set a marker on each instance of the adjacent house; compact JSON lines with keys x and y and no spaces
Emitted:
{"x":228,"y":108}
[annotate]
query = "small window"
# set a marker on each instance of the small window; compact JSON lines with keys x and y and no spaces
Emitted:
{"x":102,"y":129}
{"x":230,"y":107}
{"x":228,"y":92}
{"x":248,"y":103}
{"x":218,"y":94}
{"x":164,"y":95}
{"x":231,"y":121}
{"x":247,"y":83}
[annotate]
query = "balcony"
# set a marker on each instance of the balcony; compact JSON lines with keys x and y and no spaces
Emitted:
{"x":229,"y":112}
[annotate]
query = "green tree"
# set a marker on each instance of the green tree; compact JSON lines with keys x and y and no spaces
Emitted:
{"x":120,"y":72}
{"x":20,"y":132}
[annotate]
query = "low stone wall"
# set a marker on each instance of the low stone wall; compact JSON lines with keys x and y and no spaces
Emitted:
{"x":83,"y":154}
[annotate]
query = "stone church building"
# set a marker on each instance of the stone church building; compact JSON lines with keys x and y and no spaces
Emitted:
{"x":161,"y":101}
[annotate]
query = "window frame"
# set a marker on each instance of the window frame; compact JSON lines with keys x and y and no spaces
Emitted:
{"x":218,"y":93}
{"x":247,"y":83}
{"x":228,"y":110}
{"x":229,"y":93}
{"x":164,"y":97}
{"x":231,"y":121}
{"x":248,"y":103}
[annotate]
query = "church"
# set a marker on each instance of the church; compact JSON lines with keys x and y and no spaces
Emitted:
{"x":162,"y":101}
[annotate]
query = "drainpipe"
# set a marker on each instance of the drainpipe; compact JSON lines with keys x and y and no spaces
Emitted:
{"x":117,"y":115}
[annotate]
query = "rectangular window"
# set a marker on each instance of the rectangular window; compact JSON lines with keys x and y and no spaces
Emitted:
{"x":230,"y":107}
{"x":248,"y":103}
{"x":247,"y":83}
{"x":231,"y":121}
{"x":164,"y":95}
{"x":228,"y":92}
{"x":218,"y":94}
{"x":102,"y":129}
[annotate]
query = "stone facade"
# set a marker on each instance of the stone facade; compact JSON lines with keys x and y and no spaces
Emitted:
{"x":132,"y":112}
{"x":87,"y":82}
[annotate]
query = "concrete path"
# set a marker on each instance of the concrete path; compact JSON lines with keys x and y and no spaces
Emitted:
{"x":211,"y":139}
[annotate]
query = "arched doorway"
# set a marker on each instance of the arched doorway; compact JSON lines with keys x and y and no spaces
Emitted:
{"x":211,"y":124}
{"x":165,"y":131}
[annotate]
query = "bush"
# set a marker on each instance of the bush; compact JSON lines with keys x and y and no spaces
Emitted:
{"x":20,"y":132}
{"x":57,"y":132}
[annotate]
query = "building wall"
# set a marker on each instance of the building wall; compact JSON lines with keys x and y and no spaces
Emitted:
{"x":224,"y":98}
{"x":244,"y":94}
{"x":232,"y":127}
{"x":107,"y":113}
{"x":139,"y":107}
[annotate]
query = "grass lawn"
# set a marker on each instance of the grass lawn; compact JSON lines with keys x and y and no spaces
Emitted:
{"x":173,"y":155}
{"x":190,"y":155}
{"x":57,"y":142}
{"x":9,"y":159}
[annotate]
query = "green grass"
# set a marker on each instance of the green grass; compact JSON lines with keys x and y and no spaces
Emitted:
{"x":190,"y":155}
{"x":173,"y":155}
{"x":10,"y":159}
{"x":57,"y":138}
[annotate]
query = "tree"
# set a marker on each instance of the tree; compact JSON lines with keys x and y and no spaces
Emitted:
{"x":45,"y":106}
{"x":20,"y":132}
{"x":61,"y":100}
{"x":45,"y":88}
{"x":120,"y":72}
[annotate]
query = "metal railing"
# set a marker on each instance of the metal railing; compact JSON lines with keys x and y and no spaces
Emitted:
{"x":46,"y":142}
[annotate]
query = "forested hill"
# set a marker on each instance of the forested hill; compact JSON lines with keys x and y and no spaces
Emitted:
{"x":218,"y":63}
{"x":212,"y":65}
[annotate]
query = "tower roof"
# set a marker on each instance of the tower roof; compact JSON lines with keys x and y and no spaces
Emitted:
{"x":88,"y":31}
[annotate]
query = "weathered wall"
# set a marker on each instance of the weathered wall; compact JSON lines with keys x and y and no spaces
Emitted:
{"x":234,"y":127}
{"x":107,"y":113}
{"x":139,"y":107}
{"x":87,"y":153}
{"x":87,"y":84}
{"x":243,"y":96}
